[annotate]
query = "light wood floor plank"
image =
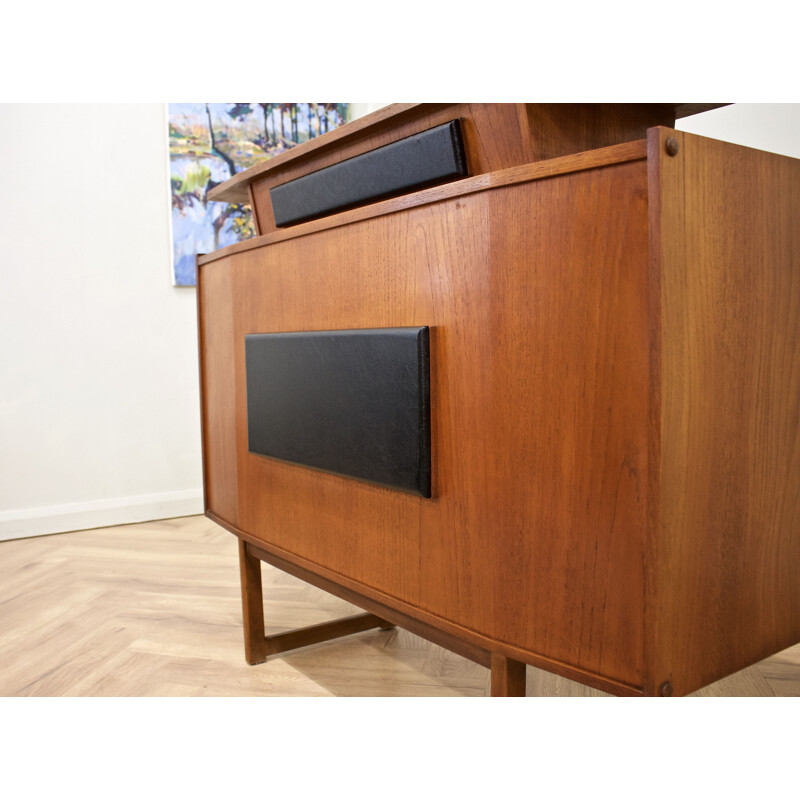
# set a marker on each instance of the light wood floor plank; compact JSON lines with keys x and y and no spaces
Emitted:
{"x":154,"y":610}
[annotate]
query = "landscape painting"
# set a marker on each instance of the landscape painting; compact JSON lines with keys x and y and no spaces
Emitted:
{"x":209,"y":143}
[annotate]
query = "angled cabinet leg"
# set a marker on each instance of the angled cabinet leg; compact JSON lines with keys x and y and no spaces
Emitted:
{"x":255,"y":643}
{"x":258,"y":646}
{"x":508,"y":677}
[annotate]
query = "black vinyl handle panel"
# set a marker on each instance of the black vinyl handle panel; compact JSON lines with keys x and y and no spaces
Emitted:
{"x":425,"y":159}
{"x":351,"y":402}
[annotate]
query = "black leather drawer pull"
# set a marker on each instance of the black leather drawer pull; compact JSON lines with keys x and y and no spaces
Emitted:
{"x":424,"y":159}
{"x":353,"y":402}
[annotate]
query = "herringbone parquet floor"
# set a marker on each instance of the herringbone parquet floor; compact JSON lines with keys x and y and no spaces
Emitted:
{"x":154,"y":610}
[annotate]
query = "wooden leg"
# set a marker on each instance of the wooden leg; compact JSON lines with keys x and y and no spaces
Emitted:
{"x":255,"y":642}
{"x":508,"y":677}
{"x":258,"y":646}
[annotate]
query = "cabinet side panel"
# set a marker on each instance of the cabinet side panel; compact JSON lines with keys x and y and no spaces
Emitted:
{"x":727,"y":540}
{"x":218,"y":381}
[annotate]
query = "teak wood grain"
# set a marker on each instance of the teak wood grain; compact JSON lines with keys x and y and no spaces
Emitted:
{"x":508,"y":677}
{"x":725,"y":496}
{"x":496,"y":136}
{"x":391,"y":613}
{"x":526,"y":331}
{"x":322,"y":632}
{"x":557,"y":129}
{"x":499,"y":134}
{"x":591,"y":159}
{"x":217,"y":346}
{"x":459,"y":640}
{"x":255,"y":643}
{"x":615,"y":406}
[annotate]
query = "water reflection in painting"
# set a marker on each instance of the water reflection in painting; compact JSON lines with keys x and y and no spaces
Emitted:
{"x":211,"y":142}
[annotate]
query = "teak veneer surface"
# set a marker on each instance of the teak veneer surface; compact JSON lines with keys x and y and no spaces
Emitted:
{"x":615,"y":409}
{"x":592,"y":159}
{"x":496,"y":136}
{"x":526,"y":332}
{"x":395,"y":114}
{"x":217,"y":376}
{"x":725,"y":323}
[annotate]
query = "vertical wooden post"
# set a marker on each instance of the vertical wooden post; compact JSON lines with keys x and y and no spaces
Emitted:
{"x":255,"y":642}
{"x":508,"y":677}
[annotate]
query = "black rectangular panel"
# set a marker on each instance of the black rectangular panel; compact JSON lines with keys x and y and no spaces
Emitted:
{"x":353,"y":402}
{"x":424,"y":159}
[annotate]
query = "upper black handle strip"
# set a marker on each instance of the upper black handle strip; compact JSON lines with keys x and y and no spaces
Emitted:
{"x":424,"y":159}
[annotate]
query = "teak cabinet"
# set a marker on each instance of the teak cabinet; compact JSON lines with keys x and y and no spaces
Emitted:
{"x":613,"y":313}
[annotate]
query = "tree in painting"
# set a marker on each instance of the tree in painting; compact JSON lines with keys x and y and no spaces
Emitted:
{"x":211,"y":142}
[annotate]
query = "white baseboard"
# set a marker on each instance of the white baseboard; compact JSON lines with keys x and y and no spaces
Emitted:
{"x":24,"y":522}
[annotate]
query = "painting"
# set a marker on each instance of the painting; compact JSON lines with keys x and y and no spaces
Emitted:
{"x":211,"y":142}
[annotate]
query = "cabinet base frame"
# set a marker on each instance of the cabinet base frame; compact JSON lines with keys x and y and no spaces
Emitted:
{"x":507,"y":674}
{"x":466,"y":643}
{"x":257,"y":646}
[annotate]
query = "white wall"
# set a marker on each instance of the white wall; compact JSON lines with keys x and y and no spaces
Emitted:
{"x":766,"y":126}
{"x":361,"y":109}
{"x":99,"y":401}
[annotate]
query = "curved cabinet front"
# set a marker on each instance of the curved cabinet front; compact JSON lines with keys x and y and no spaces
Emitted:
{"x":534,"y":293}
